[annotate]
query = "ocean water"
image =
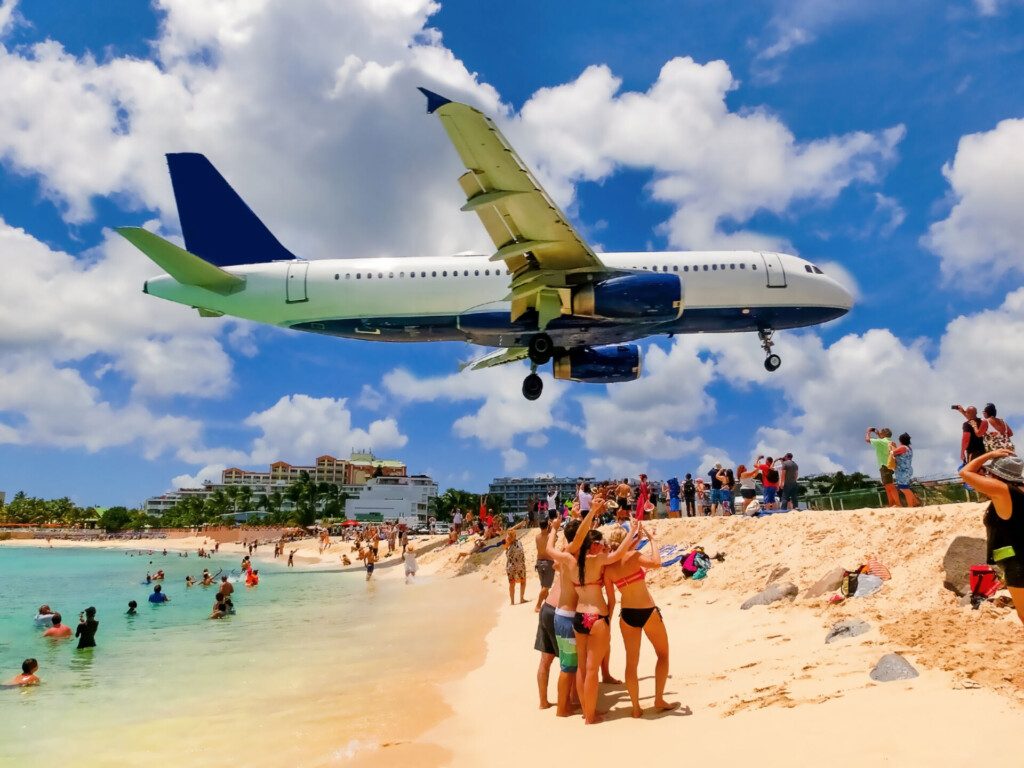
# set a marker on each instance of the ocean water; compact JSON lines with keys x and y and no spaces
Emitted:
{"x":314,"y":668}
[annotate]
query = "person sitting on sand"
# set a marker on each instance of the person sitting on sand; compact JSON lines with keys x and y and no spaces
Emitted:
{"x":345,"y":560}
{"x":28,"y":676}
{"x":133,"y":608}
{"x":639,"y":616}
{"x":57,"y":629}
{"x":1000,"y":476}
{"x":158,"y":595}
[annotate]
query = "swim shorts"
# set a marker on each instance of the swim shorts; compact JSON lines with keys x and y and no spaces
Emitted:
{"x":886,"y":474}
{"x":789,"y":493}
{"x":769,"y":494}
{"x":546,"y":641}
{"x":566,"y":638}
{"x":546,"y":571}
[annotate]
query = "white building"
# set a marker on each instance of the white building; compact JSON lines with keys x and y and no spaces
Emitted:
{"x":393,"y":498}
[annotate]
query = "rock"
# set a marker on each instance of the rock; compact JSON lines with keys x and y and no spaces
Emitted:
{"x":777,"y":573}
{"x":867,"y":585}
{"x":891,"y":667}
{"x":846,"y":629}
{"x":772,"y":594}
{"x":830,"y":582}
{"x":963,"y":552}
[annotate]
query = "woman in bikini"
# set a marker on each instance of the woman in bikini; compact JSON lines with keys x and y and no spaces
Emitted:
{"x":591,"y":622}
{"x":638,"y":615}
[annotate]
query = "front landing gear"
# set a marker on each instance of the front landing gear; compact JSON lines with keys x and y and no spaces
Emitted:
{"x":540,"y":349}
{"x":772,"y":361}
{"x":533,"y":385}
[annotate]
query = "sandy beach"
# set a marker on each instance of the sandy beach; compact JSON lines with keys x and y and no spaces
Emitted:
{"x":756,"y":685}
{"x":761,"y":684}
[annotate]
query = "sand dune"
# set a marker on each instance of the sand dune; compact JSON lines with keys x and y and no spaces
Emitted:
{"x":761,"y":684}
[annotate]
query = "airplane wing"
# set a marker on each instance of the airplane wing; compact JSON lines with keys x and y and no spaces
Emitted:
{"x":533,"y":237}
{"x":497,"y":357}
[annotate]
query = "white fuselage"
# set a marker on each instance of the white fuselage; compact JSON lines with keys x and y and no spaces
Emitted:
{"x":425,"y":299}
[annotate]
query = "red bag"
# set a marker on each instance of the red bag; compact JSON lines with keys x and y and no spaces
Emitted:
{"x":984,"y":581}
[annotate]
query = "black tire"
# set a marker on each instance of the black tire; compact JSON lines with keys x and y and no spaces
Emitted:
{"x":533,"y":385}
{"x":541,"y":349}
{"x":772,"y":363}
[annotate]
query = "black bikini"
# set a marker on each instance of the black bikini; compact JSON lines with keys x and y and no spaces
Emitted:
{"x":637,"y":617}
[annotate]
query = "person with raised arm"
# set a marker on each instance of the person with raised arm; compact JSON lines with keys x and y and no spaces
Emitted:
{"x":639,"y":615}
{"x":1000,"y":476}
{"x":591,"y":622}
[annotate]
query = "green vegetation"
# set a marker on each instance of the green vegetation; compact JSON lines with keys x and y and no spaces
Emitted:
{"x":443,"y":506}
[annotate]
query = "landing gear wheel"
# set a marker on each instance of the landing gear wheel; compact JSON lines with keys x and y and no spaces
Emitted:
{"x":533,"y":385}
{"x":541,"y":349}
{"x":772,"y":363}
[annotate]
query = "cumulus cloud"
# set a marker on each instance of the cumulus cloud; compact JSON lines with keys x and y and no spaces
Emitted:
{"x":211,"y":473}
{"x":503,"y":414}
{"x":304,"y":426}
{"x":714,"y":167}
{"x":979,"y":242}
{"x":514,"y":459}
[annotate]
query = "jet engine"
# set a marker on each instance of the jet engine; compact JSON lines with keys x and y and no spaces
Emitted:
{"x":653,"y":296}
{"x":599,"y":365}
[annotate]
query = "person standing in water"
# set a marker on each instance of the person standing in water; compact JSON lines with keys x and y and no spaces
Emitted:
{"x":58,"y":630}
{"x":371,"y":558}
{"x":87,"y":628}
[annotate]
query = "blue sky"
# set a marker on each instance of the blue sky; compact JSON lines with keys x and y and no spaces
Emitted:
{"x":309,"y":108}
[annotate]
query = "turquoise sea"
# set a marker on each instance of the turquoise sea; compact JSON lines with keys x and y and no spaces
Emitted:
{"x":312,"y":669}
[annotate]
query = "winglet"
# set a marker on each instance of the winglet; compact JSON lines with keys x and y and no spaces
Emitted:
{"x":434,"y":100}
{"x":185,"y":267}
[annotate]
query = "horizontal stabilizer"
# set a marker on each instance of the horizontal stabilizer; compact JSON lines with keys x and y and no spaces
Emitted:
{"x":497,"y":357}
{"x":185,"y":267}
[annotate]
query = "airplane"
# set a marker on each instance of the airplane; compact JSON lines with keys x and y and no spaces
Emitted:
{"x":544,"y":295}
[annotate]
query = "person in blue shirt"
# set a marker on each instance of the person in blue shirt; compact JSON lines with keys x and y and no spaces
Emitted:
{"x":158,"y":596}
{"x":673,"y":496}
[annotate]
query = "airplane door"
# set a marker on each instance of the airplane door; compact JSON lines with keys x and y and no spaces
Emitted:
{"x":774,"y":269}
{"x":295,"y":285}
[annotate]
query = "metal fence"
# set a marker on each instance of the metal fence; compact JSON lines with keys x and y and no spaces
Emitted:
{"x":947,"y":490}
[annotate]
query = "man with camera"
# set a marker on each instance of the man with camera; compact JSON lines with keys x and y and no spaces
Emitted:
{"x":971,"y":444}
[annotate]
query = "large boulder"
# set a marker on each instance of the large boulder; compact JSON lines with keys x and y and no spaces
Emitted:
{"x":830,"y":582}
{"x":847,"y":629}
{"x":963,"y":552}
{"x":772,"y":594}
{"x":891,"y":667}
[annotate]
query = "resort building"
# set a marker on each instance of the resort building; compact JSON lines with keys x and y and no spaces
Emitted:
{"x":376,"y":488}
{"x":516,"y":491}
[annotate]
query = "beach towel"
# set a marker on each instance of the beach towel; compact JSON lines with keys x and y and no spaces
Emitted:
{"x":867,"y":585}
{"x":875,"y":568}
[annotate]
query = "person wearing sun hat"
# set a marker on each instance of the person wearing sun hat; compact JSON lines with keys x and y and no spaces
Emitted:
{"x":1000,"y":476}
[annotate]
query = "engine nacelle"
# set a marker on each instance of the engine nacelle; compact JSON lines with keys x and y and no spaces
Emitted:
{"x":599,"y":365}
{"x":650,"y":296}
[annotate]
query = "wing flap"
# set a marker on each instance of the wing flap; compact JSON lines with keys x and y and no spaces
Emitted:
{"x":497,"y":357}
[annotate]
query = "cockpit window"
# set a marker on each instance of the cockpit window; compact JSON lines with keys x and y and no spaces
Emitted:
{"x":817,"y":271}
{"x":807,"y":268}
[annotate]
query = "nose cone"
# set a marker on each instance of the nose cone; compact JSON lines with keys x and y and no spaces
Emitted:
{"x":842,"y":297}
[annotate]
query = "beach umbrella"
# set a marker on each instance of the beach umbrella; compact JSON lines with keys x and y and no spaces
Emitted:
{"x":349,"y":523}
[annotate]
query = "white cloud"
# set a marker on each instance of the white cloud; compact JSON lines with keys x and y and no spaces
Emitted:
{"x":211,"y":473}
{"x":370,"y":399}
{"x":713,"y":166}
{"x":504,"y":413}
{"x":537,"y":440}
{"x":303,"y":427}
{"x":514,"y":459}
{"x":7,"y":15}
{"x":980,"y":241}
{"x":888,"y":215}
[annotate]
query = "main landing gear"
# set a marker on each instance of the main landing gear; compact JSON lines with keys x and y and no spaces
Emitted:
{"x":540,"y":351}
{"x":772,"y":361}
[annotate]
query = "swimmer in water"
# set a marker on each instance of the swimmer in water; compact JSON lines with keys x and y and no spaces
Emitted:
{"x":189,"y":581}
{"x":29,"y":667}
{"x":133,"y":608}
{"x":149,"y":578}
{"x":57,"y":630}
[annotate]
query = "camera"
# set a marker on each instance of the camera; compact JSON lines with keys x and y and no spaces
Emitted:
{"x":954,"y":407}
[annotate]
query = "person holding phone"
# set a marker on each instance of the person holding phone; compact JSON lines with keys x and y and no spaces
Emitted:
{"x":87,"y":628}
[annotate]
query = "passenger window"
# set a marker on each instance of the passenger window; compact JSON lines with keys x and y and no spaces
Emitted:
{"x":412,"y":274}
{"x":732,"y":266}
{"x":401,"y":274}
{"x":476,"y":273}
{"x":487,"y":273}
{"x":466,"y":273}
{"x":348,"y":275}
{"x":369,"y":275}
{"x":743,"y":266}
{"x":445,"y":273}
{"x":675,"y":267}
{"x":705,"y":267}
{"x":380,"y":275}
{"x":359,"y":275}
{"x":754,"y":267}
{"x":714,"y":267}
{"x":433,"y":274}
{"x":337,"y":276}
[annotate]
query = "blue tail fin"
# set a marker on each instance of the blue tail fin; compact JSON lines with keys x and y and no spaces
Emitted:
{"x":217,"y":224}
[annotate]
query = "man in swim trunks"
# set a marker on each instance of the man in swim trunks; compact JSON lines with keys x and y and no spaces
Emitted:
{"x":226,"y":587}
{"x":547,"y":639}
{"x":545,"y":566}
{"x":57,"y":629}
